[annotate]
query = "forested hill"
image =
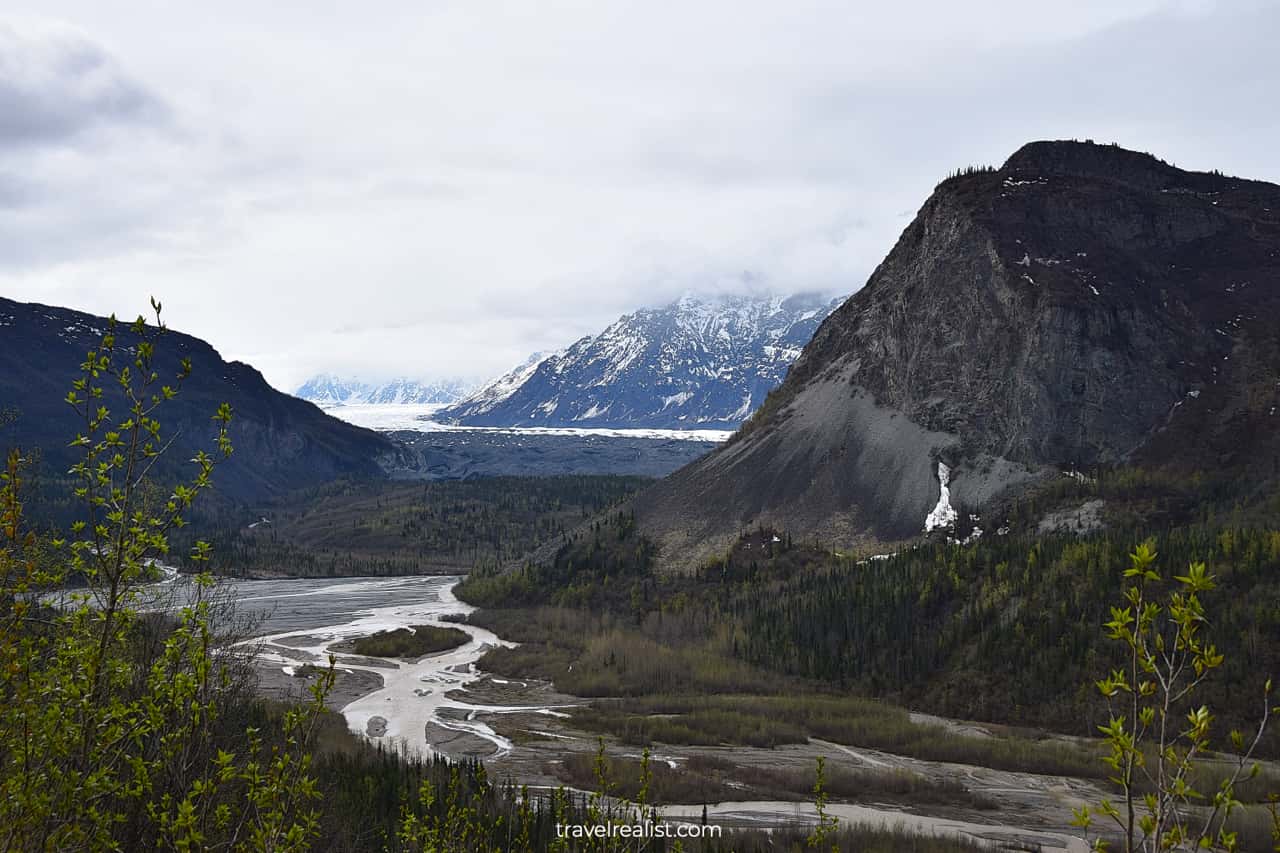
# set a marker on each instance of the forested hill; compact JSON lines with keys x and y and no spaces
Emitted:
{"x":1005,"y":628}
{"x":281,"y":442}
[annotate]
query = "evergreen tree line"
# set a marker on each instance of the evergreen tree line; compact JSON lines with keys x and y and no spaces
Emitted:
{"x":1003,"y":629}
{"x":373,"y":528}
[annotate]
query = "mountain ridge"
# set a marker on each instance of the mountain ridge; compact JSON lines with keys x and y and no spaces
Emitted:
{"x":703,"y":363}
{"x":281,"y":442}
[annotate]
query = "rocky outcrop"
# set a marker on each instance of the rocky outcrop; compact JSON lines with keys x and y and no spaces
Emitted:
{"x":1081,"y":305}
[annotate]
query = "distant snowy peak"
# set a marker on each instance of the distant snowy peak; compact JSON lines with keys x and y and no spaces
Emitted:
{"x":412,"y":391}
{"x":695,"y":363}
{"x":497,"y":392}
{"x":328,"y":390}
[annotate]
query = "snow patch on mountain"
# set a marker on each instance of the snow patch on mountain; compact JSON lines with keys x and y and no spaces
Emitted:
{"x":943,"y":514}
{"x":676,"y":399}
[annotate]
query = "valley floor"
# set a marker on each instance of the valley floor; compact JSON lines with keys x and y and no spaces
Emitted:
{"x":994,"y":805}
{"x":526,"y":731}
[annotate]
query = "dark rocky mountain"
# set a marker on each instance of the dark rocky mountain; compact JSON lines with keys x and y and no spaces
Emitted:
{"x":693,"y":364}
{"x":281,"y":442}
{"x":1082,"y":305}
{"x":329,"y":390}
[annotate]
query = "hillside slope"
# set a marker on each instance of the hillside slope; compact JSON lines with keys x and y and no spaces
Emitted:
{"x":1082,"y":305}
{"x":281,"y":442}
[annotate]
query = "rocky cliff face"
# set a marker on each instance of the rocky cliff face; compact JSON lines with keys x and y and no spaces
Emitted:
{"x":1081,"y":305}
{"x":281,"y":442}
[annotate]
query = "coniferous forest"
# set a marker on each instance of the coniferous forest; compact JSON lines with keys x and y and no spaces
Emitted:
{"x":1005,"y":628}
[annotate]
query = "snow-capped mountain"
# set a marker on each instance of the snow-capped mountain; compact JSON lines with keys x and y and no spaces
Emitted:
{"x":328,"y":390}
{"x":694,"y":364}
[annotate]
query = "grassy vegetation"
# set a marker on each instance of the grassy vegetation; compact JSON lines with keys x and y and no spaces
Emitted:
{"x":697,"y":693}
{"x":697,"y":727}
{"x":621,"y":662}
{"x":1208,"y":776}
{"x":1255,"y":828}
{"x":666,"y":785}
{"x":708,"y":779}
{"x":367,"y":791}
{"x":596,"y":653}
{"x":893,"y":786}
{"x":415,"y":642}
{"x":863,"y":839}
{"x":774,"y":720}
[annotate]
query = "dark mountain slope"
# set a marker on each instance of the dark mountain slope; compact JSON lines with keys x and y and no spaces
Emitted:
{"x":281,"y":442}
{"x":1082,"y":305}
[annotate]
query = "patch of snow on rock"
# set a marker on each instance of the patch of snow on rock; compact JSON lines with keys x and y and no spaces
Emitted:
{"x":942,"y":515}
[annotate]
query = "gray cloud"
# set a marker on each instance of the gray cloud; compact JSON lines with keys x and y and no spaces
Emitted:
{"x":56,"y":84}
{"x":441,"y":190}
{"x":15,"y":191}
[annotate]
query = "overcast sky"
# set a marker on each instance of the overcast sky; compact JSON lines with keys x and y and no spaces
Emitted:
{"x":440,"y":188}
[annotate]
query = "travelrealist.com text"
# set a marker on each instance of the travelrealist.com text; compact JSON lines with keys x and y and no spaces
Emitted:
{"x":648,"y":829}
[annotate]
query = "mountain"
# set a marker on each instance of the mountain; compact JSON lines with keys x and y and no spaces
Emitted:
{"x":281,"y":442}
{"x":694,"y":364}
{"x":328,"y":390}
{"x":1081,"y":306}
{"x":490,"y":397}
